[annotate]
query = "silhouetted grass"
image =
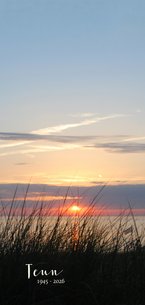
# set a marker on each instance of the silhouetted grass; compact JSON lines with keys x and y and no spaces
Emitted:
{"x":103,"y":264}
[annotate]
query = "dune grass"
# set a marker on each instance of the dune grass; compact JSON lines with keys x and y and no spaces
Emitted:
{"x":103,"y":264}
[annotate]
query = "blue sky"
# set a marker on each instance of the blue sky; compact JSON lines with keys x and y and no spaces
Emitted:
{"x":66,"y":62}
{"x":69,"y":55}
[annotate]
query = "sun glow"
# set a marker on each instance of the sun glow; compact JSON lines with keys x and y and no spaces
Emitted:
{"x":75,"y":209}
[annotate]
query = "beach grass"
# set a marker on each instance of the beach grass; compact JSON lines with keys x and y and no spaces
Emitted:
{"x":103,"y":264}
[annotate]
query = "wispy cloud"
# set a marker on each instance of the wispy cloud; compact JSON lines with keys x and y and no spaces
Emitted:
{"x":125,"y":145}
{"x":132,"y":139}
{"x":21,"y":163}
{"x":84,"y":115}
{"x":13,"y":136}
{"x":60,"y":128}
{"x":28,"y":138}
{"x":120,"y":147}
{"x":115,"y":144}
{"x":40,"y":149}
{"x":50,"y":139}
{"x":14,"y":144}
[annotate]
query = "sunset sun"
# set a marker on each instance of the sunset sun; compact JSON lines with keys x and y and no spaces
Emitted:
{"x":74,"y":209}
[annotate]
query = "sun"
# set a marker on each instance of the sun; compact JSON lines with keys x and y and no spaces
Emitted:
{"x":74,"y":209}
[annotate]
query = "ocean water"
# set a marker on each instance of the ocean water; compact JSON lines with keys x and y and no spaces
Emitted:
{"x":114,"y":222}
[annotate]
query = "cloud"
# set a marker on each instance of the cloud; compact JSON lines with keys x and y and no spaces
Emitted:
{"x":40,"y":149}
{"x":83,"y":115}
{"x":43,"y":143}
{"x":27,"y":138}
{"x":46,"y":133}
{"x":120,"y":147}
{"x":21,"y":163}
{"x":50,"y":139}
{"x":113,"y":196}
{"x":132,"y":139}
{"x":60,"y":128}
{"x":9,"y":145}
{"x":13,"y":136}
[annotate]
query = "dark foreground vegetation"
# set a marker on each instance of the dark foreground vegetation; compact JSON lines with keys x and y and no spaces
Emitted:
{"x":102,"y":264}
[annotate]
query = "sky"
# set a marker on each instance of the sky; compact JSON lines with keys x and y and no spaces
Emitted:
{"x":72,"y":99}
